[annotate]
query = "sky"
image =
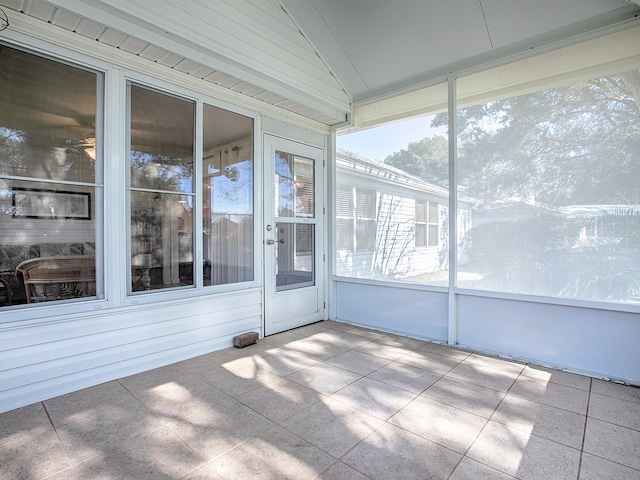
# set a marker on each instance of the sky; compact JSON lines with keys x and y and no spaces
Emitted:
{"x":380,"y":142}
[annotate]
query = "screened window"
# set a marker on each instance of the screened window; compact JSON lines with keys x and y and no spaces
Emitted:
{"x":161,"y":189}
{"x":227,"y":208}
{"x":385,"y":229}
{"x":345,"y":232}
{"x":555,"y":175}
{"x":50,"y":180}
{"x":356,"y":218}
{"x":365,"y":219}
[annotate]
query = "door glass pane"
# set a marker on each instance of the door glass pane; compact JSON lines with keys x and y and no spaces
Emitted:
{"x":305,"y":191}
{"x":227,"y":208}
{"x":295,"y":254}
{"x":294,"y":186}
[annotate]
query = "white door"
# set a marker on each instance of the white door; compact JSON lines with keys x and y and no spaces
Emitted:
{"x":293,"y":234}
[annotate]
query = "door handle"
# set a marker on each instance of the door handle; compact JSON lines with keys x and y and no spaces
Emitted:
{"x":270,"y":242}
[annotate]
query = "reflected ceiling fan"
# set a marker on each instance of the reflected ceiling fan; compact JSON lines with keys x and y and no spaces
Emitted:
{"x":88,"y":145}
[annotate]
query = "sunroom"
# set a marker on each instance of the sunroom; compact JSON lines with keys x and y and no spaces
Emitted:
{"x":458,"y":176}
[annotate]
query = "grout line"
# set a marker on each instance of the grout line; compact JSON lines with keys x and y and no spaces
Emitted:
{"x":48,"y":415}
{"x":584,"y":430}
{"x":488,"y":419}
{"x":64,"y":448}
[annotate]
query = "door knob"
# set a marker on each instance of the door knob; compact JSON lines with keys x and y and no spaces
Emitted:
{"x":270,"y":242}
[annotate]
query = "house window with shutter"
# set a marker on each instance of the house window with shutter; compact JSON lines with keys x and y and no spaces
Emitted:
{"x":355,"y":219}
{"x":427,"y":224}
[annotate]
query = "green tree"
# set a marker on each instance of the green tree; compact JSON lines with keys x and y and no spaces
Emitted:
{"x":427,"y":158}
{"x":556,"y":146}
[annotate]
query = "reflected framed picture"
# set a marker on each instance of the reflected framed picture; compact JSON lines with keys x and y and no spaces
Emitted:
{"x":50,"y":204}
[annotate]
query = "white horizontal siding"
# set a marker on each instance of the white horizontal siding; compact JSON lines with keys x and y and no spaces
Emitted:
{"x":60,"y":355}
{"x":254,"y":41}
{"x":258,"y":33}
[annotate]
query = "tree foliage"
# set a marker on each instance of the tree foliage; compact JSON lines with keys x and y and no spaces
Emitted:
{"x":573,"y":144}
{"x":427,"y":159}
{"x":557,"y":146}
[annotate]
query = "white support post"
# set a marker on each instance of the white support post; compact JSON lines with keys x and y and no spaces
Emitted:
{"x":453,"y":213}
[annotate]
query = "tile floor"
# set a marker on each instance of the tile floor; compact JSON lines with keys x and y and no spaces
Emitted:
{"x":331,"y":401}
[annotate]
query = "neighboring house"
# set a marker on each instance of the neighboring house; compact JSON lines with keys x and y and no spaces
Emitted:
{"x":509,"y":211}
{"x":390,"y":224}
{"x":613,"y":222}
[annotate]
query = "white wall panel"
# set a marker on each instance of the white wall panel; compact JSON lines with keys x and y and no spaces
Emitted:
{"x":587,"y":340}
{"x":60,"y":355}
{"x":413,"y":312}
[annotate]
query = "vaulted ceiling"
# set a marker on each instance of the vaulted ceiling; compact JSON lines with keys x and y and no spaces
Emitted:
{"x":377,"y":47}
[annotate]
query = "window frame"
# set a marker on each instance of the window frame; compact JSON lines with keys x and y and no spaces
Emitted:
{"x":431,"y":240}
{"x":131,"y":189}
{"x":25,"y":312}
{"x":198,"y":289}
{"x":353,"y":220}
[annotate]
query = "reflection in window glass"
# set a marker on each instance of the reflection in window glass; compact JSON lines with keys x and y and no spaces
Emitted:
{"x":388,"y":212}
{"x":294,"y":255}
{"x":227,"y":197}
{"x":162,"y":197}
{"x":555,"y":175}
{"x":48,"y":132}
{"x":161,"y":240}
{"x":295,"y":191}
{"x":162,"y":130}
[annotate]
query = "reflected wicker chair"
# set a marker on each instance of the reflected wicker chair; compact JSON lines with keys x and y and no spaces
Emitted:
{"x":58,"y":278}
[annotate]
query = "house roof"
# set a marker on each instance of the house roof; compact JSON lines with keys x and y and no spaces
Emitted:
{"x":380,"y":171}
{"x":597,"y":210}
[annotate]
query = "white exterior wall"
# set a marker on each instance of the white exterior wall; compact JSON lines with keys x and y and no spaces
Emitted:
{"x":54,"y":349}
{"x":58,"y":354}
{"x":395,"y":254}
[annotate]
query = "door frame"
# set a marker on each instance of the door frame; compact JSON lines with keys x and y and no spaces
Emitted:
{"x":271,"y":143}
